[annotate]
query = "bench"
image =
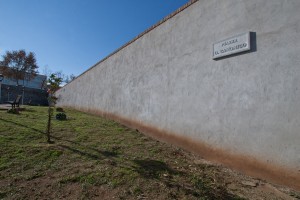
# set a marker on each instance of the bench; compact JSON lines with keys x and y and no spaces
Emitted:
{"x":15,"y":103}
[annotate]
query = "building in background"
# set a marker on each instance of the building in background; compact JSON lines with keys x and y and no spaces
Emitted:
{"x":33,"y":91}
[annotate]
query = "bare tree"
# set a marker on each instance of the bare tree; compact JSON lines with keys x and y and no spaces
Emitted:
{"x":70,"y":78}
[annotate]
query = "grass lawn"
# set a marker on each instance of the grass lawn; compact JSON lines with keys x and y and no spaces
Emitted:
{"x":96,"y":158}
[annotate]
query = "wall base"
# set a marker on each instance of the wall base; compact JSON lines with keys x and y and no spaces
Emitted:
{"x":243,"y":163}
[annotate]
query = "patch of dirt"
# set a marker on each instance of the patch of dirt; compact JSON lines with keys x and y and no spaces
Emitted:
{"x":251,"y":188}
{"x":49,"y":186}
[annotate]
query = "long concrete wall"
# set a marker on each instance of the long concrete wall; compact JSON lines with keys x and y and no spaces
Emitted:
{"x":243,"y":110}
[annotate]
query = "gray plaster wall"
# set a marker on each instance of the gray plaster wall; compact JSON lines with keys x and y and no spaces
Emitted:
{"x":247,"y":104}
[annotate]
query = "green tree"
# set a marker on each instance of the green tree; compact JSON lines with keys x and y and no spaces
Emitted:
{"x":53,"y":83}
{"x":19,"y":65}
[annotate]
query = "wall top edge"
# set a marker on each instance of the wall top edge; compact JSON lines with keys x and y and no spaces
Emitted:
{"x":191,"y":2}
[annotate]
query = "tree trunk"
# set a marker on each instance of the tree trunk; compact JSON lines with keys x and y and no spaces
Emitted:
{"x":49,"y":125}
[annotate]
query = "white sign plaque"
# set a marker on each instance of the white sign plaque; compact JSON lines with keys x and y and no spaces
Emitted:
{"x":233,"y":45}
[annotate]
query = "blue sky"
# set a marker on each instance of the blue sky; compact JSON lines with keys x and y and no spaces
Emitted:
{"x":72,"y":35}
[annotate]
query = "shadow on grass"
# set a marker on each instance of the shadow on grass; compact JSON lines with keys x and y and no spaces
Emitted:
{"x":200,"y":188}
{"x":104,"y":153}
{"x":22,"y":125}
{"x":153,"y":168}
{"x":94,"y":156}
{"x":80,"y":152}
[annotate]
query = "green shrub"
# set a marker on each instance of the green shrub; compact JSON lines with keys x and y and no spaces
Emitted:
{"x":61,"y":116}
